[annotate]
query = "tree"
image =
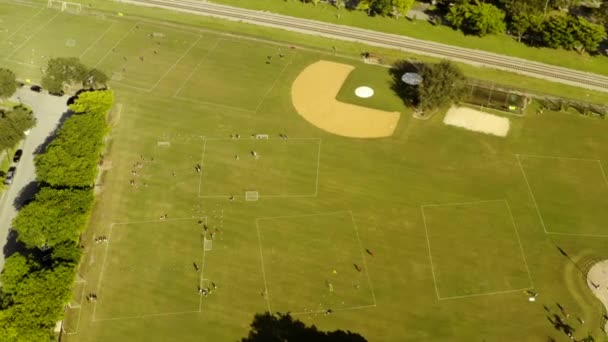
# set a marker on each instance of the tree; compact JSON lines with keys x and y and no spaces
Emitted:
{"x":8,"y":83}
{"x":442,"y":84}
{"x":63,"y":71}
{"x":568,"y":32}
{"x":16,"y":268}
{"x":601,"y":14}
{"x":282,"y":327}
{"x":12,"y":125}
{"x":56,"y":216}
{"x":99,"y":101}
{"x":401,"y":7}
{"x":95,"y":78}
{"x":478,"y":18}
{"x":380,"y":7}
{"x":588,"y":36}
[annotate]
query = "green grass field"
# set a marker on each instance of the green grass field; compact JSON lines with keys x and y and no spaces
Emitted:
{"x":438,"y":273}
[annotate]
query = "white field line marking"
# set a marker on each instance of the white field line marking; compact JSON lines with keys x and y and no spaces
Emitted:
{"x":97,"y":40}
{"x":201,"y":277}
{"x":428,"y":244}
{"x":461,"y":203}
{"x":274,"y":83}
{"x":164,"y":220}
{"x":34,"y":66}
{"x":145,"y":90}
{"x":258,"y":140}
{"x":579,"y":234}
{"x":603,"y":172}
{"x":175,"y":64}
{"x":115,"y":318}
{"x":117,"y":43}
{"x":521,"y":167}
{"x":555,"y":157}
{"x":35,"y":34}
{"x":521,"y":248}
{"x":195,"y":69}
{"x":266,"y":291}
{"x":185,"y":99}
{"x":103,"y":267}
{"x":79,"y":309}
{"x":23,"y":25}
{"x":486,"y":294}
{"x":369,"y":281}
{"x":338,"y":309}
{"x":305,"y":215}
{"x":200,"y":177}
{"x":145,"y":316}
{"x":259,"y":196}
{"x":318,"y":165}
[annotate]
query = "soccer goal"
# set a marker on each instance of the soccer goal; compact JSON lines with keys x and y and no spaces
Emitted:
{"x":251,"y":196}
{"x":65,"y":5}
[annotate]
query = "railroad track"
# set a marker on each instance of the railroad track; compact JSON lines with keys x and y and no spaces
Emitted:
{"x":393,"y":41}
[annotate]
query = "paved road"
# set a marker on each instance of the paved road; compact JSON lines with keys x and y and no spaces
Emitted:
{"x":393,"y":41}
{"x":48,"y":111}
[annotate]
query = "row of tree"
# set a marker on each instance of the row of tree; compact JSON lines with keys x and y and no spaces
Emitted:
{"x":37,"y":281}
{"x":528,"y":21}
{"x":13,"y":123}
{"x":546,"y":23}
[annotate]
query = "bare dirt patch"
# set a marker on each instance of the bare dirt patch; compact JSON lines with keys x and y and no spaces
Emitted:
{"x":477,"y":121}
{"x":314,"y":92}
{"x":597,"y":278}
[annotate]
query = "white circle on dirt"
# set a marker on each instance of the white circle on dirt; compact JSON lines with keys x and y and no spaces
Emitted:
{"x":364,"y":92}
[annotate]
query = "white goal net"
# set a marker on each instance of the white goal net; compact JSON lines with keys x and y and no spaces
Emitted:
{"x":65,"y":5}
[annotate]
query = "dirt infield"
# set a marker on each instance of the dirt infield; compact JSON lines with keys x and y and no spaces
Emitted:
{"x":474,"y":120}
{"x":314,"y":92}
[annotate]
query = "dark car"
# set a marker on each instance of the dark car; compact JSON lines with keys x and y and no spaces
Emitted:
{"x":59,"y":93}
{"x":36,"y":88}
{"x":10,"y":175}
{"x":17,"y":156}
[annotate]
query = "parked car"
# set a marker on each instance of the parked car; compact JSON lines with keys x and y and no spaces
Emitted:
{"x":36,"y":88}
{"x":10,"y":175}
{"x":17,"y":156}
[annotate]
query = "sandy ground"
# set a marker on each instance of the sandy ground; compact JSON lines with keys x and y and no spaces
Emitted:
{"x":597,"y":280}
{"x":314,"y":92}
{"x":477,"y":121}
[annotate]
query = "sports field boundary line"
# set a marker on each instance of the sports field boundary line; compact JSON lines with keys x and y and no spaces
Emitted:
{"x":117,"y":43}
{"x":269,"y":138}
{"x":428,"y":245}
{"x":523,"y":172}
{"x":79,"y":308}
{"x":487,"y":293}
{"x":158,"y":220}
{"x":103,"y":267}
{"x":120,"y":84}
{"x":175,"y":63}
{"x":521,"y":247}
{"x":97,"y":40}
{"x":195,"y":69}
{"x":35,"y":34}
{"x":146,"y":316}
{"x":266,"y":291}
{"x":276,"y":80}
{"x":201,"y":278}
{"x":369,"y":281}
{"x":557,"y":157}
{"x":460,"y":203}
{"x":603,"y":172}
{"x":358,"y":307}
{"x":34,"y":66}
{"x":304,"y":215}
{"x":24,"y":23}
{"x":581,"y":235}
{"x":185,"y":99}
{"x":200,"y":176}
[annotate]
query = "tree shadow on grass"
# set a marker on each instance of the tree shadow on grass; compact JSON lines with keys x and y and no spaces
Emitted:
{"x":407,"y":93}
{"x":282,"y":327}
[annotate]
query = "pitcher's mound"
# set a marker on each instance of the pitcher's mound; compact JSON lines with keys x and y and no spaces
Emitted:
{"x":314,"y":92}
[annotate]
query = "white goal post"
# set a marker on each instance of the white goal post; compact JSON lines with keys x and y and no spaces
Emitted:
{"x":65,"y":5}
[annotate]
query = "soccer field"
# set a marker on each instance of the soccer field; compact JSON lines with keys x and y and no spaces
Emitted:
{"x":215,"y":181}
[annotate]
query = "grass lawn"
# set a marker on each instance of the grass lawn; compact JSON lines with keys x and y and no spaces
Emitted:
{"x":280,"y":252}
